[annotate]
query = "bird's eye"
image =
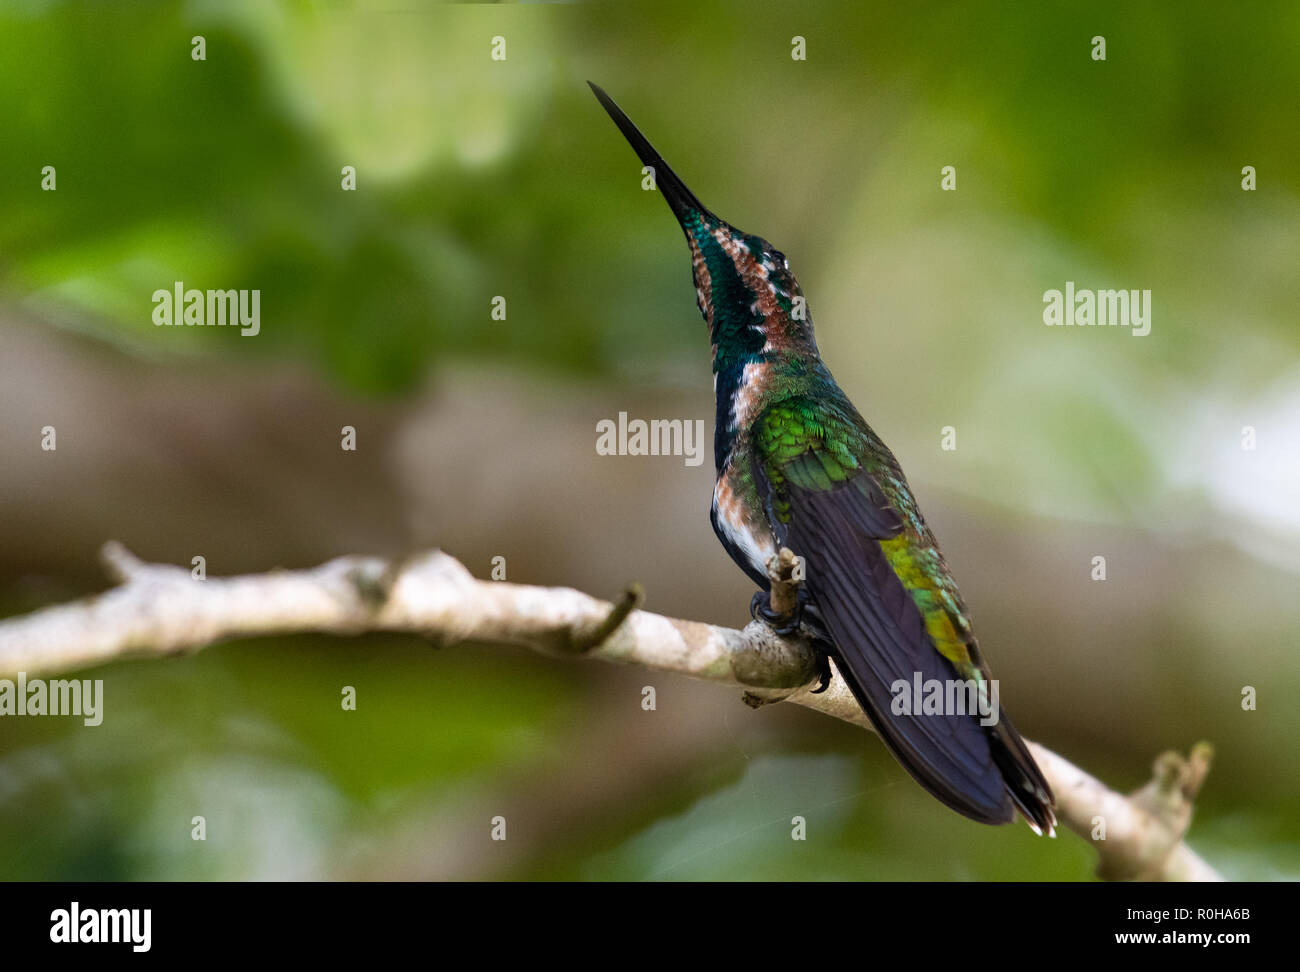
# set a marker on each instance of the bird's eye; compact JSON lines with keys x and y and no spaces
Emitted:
{"x":779,"y":257}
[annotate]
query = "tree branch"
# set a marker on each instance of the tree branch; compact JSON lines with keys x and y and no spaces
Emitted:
{"x":158,"y":610}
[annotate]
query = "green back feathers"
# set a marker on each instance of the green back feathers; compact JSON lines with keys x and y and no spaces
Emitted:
{"x":801,"y":443}
{"x":805,"y":445}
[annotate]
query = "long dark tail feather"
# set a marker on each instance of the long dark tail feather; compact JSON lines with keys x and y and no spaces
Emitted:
{"x":953,"y":763}
{"x":1025,"y":781}
{"x":1022,"y":780}
{"x":866,"y":619}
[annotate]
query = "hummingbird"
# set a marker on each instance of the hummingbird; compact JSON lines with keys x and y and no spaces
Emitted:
{"x":798,"y":467}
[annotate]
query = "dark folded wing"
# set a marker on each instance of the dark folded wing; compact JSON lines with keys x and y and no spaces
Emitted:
{"x":879,"y":634}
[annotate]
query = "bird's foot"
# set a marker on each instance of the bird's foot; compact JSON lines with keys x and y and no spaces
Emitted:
{"x":760,"y":609}
{"x":823,"y":673}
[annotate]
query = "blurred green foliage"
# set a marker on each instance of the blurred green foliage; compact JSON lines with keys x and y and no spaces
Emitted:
{"x":479,"y":177}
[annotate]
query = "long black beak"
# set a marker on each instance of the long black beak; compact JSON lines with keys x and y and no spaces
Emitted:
{"x":680,"y":199}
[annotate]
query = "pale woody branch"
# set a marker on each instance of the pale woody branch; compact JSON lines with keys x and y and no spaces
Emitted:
{"x":159,"y":610}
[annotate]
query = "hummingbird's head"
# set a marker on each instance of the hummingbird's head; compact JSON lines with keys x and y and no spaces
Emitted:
{"x":743,"y":284}
{"x":744,"y":288}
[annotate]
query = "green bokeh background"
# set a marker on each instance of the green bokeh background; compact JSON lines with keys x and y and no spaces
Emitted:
{"x":479,"y":178}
